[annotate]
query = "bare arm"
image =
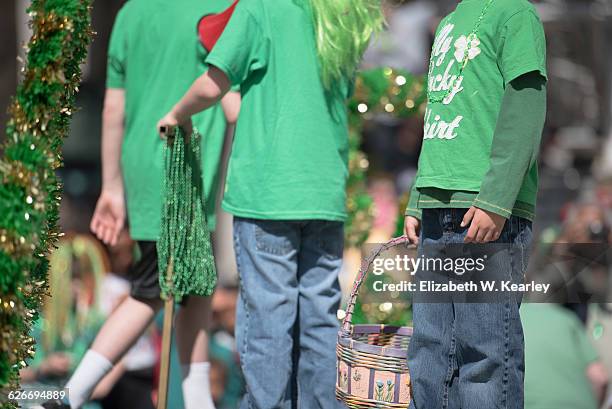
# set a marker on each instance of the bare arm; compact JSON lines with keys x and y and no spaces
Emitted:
{"x":598,"y":376}
{"x":231,"y":106}
{"x":113,"y":118}
{"x":206,"y":91}
{"x":109,"y":216}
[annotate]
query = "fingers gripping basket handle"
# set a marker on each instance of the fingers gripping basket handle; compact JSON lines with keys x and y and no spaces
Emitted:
{"x":347,"y":323}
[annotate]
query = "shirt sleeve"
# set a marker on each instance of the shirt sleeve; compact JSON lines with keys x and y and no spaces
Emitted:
{"x":413,"y":203}
{"x":242,"y":48}
{"x":522,"y":47}
{"x":117,"y":51}
{"x":516,"y":143}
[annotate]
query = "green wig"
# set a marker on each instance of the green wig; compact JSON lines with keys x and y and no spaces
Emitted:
{"x":343,"y":30}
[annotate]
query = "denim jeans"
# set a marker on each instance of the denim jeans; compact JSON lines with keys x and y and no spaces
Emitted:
{"x":469,"y":355}
{"x":286,"y":326}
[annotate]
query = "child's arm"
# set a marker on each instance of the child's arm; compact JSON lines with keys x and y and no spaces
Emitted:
{"x":514,"y":150}
{"x":205,"y":92}
{"x":515,"y":144}
{"x":113,"y":117}
{"x":231,"y":106}
{"x":413,"y":209}
{"x":109,"y":216}
{"x":413,"y":216}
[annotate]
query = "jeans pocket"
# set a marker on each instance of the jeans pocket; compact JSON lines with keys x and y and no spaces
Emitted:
{"x":272,"y":237}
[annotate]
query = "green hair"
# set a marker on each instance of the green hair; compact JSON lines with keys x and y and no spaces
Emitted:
{"x":343,"y":30}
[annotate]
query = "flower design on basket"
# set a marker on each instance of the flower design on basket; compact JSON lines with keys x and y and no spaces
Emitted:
{"x":384,"y":394}
{"x":467,"y":48}
{"x":357,"y":376}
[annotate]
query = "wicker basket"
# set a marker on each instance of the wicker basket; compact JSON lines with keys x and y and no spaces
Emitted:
{"x":372,"y":359}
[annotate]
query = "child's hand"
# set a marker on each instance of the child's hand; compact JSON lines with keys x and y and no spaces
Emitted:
{"x":164,"y":124}
{"x":411,"y":229}
{"x":109,"y":217}
{"x":170,"y":121}
{"x":485,"y":226}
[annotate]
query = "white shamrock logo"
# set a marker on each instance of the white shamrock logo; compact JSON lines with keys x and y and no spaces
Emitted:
{"x":469,"y":44}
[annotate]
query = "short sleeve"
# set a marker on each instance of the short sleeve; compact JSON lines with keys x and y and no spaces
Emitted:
{"x":116,"y":63}
{"x":522,"y":46}
{"x":242,"y":48}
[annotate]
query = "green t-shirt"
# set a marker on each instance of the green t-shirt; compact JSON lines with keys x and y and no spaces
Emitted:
{"x":458,"y":131}
{"x":154,"y":54}
{"x":557,"y":353}
{"x":290,"y":152}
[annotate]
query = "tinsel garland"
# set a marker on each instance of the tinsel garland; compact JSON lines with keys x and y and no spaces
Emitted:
{"x":380,"y":91}
{"x":29,"y":190}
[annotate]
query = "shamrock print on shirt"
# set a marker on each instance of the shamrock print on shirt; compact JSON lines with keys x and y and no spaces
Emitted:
{"x":470,"y":44}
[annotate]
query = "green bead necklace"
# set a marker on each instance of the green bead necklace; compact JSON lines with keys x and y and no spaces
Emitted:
{"x":184,"y":242}
{"x":473,"y":35}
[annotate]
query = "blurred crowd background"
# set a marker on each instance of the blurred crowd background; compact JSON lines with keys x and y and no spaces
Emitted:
{"x":568,"y":346}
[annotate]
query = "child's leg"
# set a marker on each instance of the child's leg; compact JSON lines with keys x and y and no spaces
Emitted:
{"x":432,"y":357}
{"x":320,"y":260}
{"x":490,"y":355}
{"x":121,"y":330}
{"x":490,"y":335}
{"x":431,"y":352}
{"x":266,"y":254}
{"x":124,"y":326}
{"x":192,"y":325}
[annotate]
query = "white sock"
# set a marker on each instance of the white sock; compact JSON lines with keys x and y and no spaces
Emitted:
{"x":92,"y":368}
{"x":196,"y":386}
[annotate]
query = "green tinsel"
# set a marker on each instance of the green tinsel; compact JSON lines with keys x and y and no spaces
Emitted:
{"x":29,"y":190}
{"x":186,"y":262}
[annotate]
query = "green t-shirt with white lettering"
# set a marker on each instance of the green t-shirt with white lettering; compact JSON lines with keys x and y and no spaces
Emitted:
{"x":458,"y":133}
{"x":289,"y":158}
{"x":155,"y":55}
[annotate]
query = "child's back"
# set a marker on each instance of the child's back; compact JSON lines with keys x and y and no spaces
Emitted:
{"x":154,"y":55}
{"x":289,"y":159}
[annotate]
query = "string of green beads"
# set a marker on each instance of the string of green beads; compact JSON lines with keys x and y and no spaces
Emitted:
{"x":434,"y":99}
{"x":186,"y":262}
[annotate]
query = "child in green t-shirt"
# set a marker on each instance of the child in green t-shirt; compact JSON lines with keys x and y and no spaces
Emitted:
{"x":293,"y":61}
{"x":477,"y":183}
{"x":152,"y":57}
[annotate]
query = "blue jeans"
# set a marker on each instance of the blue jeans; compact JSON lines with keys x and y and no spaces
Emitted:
{"x":469,"y":355}
{"x":286,"y":326}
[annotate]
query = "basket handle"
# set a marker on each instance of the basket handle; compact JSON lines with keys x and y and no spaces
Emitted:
{"x":347,"y":323}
